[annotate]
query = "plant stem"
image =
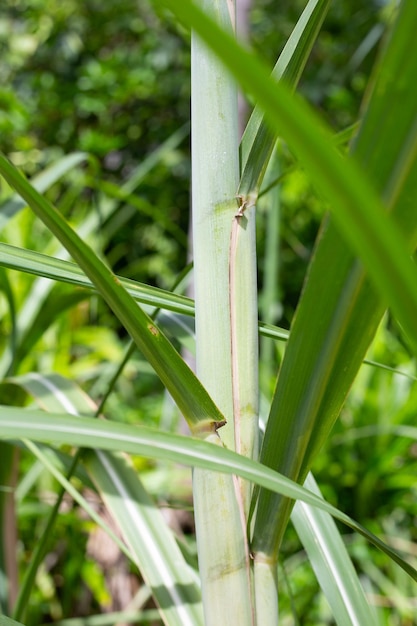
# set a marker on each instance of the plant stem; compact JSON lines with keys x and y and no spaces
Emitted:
{"x":219,"y":509}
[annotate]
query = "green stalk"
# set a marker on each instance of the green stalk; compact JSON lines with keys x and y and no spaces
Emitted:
{"x":219,"y":509}
{"x":359,"y":212}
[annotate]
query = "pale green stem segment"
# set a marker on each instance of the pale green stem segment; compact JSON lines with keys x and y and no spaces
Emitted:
{"x":220,"y":522}
{"x":244,"y":335}
{"x":222,"y":548}
{"x":265,"y":584}
{"x":214,"y":185}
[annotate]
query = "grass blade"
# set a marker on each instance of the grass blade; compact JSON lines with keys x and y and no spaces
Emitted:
{"x":86,"y":432}
{"x":153,"y":297}
{"x":190,"y":396}
{"x":258,"y":139}
{"x":42,"y":182}
{"x":56,"y":269}
{"x":333,"y":568}
{"x":173,"y":584}
{"x":152,"y":545}
{"x":6,"y":621}
{"x":340,"y":310}
{"x":358,"y":211}
{"x":39,"y":553}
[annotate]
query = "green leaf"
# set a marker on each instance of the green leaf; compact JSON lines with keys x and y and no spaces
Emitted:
{"x":331,"y":563}
{"x":99,"y":434}
{"x":64,"y":271}
{"x":6,"y":621}
{"x":84,"y":504}
{"x":53,"y":393}
{"x":153,"y":297}
{"x":190,"y":396}
{"x":258,"y":140}
{"x":152,"y":545}
{"x":339,"y":309}
{"x":58,"y":301}
{"x":358,"y":211}
{"x":7,"y":289}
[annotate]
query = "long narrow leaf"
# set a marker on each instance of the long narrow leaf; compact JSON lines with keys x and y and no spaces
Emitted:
{"x":42,"y":182}
{"x":151,"y":544}
{"x":190,"y":396}
{"x":339,"y":309}
{"x":360,"y":215}
{"x":98,"y":434}
{"x":39,"y":264}
{"x":56,"y":269}
{"x":6,"y":621}
{"x":258,"y":139}
{"x":329,"y":558}
{"x":84,"y":504}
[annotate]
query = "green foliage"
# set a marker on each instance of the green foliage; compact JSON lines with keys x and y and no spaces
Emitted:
{"x":112,"y":81}
{"x":90,"y":77}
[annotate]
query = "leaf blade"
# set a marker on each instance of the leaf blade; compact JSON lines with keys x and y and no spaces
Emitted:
{"x":358,"y":211}
{"x":190,"y":396}
{"x":258,"y":140}
{"x":151,"y":542}
{"x":333,"y":568}
{"x":340,"y":309}
{"x":105,"y":435}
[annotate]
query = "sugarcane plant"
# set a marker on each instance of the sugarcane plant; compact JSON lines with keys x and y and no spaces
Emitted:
{"x":245,"y":481}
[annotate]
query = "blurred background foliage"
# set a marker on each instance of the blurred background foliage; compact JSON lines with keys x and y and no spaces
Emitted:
{"x":112,"y":79}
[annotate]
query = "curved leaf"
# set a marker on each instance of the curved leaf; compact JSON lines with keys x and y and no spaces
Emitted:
{"x":359,"y":213}
{"x":190,"y":396}
{"x":158,"y":557}
{"x":152,"y":545}
{"x":339,"y":309}
{"x":56,"y":269}
{"x":105,"y":435}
